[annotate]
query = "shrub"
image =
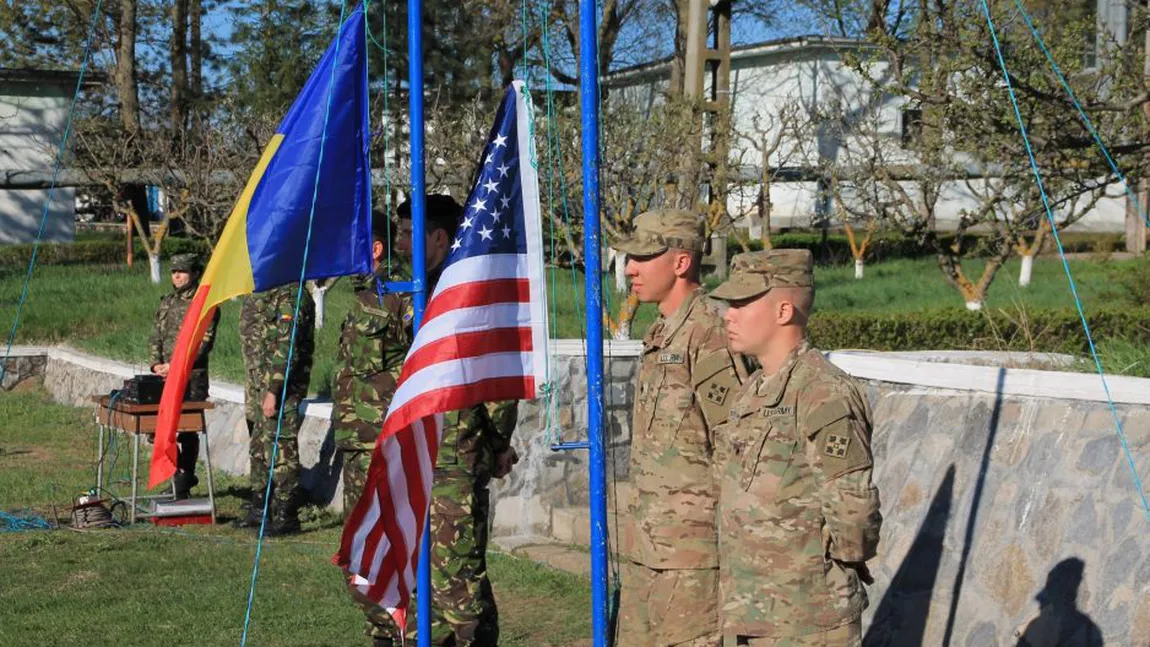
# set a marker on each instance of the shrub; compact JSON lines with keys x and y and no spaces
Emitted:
{"x":105,"y":252}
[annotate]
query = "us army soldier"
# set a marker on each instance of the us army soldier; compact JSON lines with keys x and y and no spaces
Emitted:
{"x":799,"y":515}
{"x":686,"y":377}
{"x":186,"y":272}
{"x":266,"y":335}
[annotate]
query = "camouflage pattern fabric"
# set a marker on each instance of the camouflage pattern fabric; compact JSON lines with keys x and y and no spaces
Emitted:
{"x":661,"y":608}
{"x":799,"y":515}
{"x":372,"y":344}
{"x":166,"y":327}
{"x":265,"y":330}
{"x":849,"y":635}
{"x":686,"y":377}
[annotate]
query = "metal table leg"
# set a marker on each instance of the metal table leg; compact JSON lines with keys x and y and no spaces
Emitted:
{"x":100,"y":465}
{"x":135,"y":475}
{"x":211,"y":480}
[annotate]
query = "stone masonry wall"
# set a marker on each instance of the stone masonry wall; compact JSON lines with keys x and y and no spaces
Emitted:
{"x":1001,"y":512}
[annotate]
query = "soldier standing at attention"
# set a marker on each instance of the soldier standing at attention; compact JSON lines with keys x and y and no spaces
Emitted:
{"x":186,"y":271}
{"x":799,"y":515}
{"x":686,"y":377}
{"x":476,"y":447}
{"x":266,"y":335}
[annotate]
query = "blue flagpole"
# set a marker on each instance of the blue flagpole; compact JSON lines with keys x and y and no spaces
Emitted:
{"x":589,"y":99}
{"x":419,"y":269}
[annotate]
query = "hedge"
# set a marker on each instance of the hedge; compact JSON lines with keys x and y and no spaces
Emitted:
{"x":93,"y":251}
{"x":889,"y":246}
{"x":1054,"y":331}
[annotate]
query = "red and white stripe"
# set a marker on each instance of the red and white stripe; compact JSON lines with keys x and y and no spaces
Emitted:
{"x":483,"y":339}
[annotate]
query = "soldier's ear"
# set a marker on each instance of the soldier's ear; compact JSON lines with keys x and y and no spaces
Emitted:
{"x":377,"y":250}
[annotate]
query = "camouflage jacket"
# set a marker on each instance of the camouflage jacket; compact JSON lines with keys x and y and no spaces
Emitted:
{"x":373,"y":341}
{"x":798,"y":511}
{"x":265,"y":335}
{"x":472,"y":439}
{"x":169,"y":318}
{"x":686,"y":379}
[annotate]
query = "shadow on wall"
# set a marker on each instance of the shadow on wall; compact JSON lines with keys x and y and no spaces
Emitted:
{"x":1060,"y":623}
{"x":902,"y":614}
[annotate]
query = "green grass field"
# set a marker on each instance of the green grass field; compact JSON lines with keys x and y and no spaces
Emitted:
{"x":158,"y":586}
{"x":108,"y":310}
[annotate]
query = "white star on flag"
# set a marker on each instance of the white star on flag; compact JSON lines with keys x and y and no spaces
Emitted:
{"x":491,"y":186}
{"x":480,"y":205}
{"x":503,"y":168}
{"x":500,"y":141}
{"x":506,"y":201}
{"x":506,"y":231}
{"x":466,"y":224}
{"x":485,"y":233}
{"x":495,"y":215}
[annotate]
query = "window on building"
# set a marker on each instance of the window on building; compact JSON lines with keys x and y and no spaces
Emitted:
{"x":911,"y":126}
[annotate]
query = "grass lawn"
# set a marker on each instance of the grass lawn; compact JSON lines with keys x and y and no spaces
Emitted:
{"x":158,"y":586}
{"x":108,"y":309}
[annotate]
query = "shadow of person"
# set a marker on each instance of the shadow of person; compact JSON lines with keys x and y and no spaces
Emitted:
{"x":1060,"y":623}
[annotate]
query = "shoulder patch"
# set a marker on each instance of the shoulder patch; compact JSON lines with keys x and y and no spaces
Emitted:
{"x":825,"y":413}
{"x":842,"y":449}
{"x":409,"y":314}
{"x":286,"y":316}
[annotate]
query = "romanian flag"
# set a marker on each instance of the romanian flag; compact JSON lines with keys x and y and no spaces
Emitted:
{"x":315,"y":168}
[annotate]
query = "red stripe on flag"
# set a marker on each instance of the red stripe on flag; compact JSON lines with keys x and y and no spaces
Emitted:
{"x":478,"y":293}
{"x":464,"y":345}
{"x":192,"y":330}
{"x":457,"y":398}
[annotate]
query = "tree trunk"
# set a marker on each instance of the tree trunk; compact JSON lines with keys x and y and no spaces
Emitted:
{"x":196,"y":73}
{"x":127,"y":88}
{"x":154,"y":266}
{"x":318,"y":292}
{"x":622,"y":330}
{"x":859,"y":268}
{"x":1027,"y":269}
{"x":620,"y":271}
{"x":179,"y":63}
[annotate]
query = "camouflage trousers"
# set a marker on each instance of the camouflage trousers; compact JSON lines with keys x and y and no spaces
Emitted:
{"x":848,"y":635}
{"x":661,"y":608}
{"x":262,"y":433}
{"x":462,"y":602}
{"x":355,"y":464}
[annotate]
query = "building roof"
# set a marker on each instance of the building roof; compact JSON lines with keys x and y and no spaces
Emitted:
{"x":64,"y":77}
{"x":749,"y":50}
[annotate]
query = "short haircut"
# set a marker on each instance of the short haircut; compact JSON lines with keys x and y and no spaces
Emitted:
{"x":695,"y":274}
{"x":440,"y":211}
{"x":803,"y":299}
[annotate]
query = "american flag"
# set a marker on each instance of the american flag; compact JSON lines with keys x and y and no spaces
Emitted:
{"x":483,"y":339}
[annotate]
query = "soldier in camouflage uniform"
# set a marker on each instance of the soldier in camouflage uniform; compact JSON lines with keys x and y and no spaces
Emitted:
{"x":186,"y":271}
{"x":686,"y":375}
{"x":476,"y":446}
{"x":373,"y":341}
{"x":265,"y":332}
{"x":799,"y":515}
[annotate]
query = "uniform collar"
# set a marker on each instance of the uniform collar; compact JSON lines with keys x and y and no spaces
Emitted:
{"x":663,"y":330}
{"x":770,"y":388}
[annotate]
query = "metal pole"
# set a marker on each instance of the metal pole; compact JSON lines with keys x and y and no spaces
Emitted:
{"x":419,"y":270}
{"x":589,"y":99}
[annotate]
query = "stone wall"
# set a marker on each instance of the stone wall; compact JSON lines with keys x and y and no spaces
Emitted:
{"x":1000,"y":487}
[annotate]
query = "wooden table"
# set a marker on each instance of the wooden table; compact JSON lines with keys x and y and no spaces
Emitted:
{"x":138,"y":420}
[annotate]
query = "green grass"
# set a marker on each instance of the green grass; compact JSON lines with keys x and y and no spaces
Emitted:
{"x":108,"y":310}
{"x":157,"y":586}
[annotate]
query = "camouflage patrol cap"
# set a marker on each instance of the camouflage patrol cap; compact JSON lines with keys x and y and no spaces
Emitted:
{"x":187,"y":263}
{"x":755,"y":273}
{"x":661,"y":229}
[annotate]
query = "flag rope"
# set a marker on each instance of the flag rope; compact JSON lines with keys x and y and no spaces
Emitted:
{"x":294,"y":326}
{"x":51,"y":189}
{"x":1065,"y":264}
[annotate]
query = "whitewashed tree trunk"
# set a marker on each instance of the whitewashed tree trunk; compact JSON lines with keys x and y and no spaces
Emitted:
{"x":620,"y":271}
{"x":154,"y":265}
{"x":1027,"y":270}
{"x":974,"y":306}
{"x":859,"y":263}
{"x":317,"y":294}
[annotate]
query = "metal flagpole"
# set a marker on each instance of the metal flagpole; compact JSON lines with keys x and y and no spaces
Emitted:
{"x":589,"y":100}
{"x":419,"y":270}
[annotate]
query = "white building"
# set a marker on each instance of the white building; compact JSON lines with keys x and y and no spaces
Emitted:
{"x":806,"y":76}
{"x":34,"y":108}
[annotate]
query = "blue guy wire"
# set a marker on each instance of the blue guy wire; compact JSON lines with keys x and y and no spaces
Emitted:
{"x":1066,"y":265}
{"x":1081,"y":112}
{"x":51,"y":189}
{"x":294,"y":325}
